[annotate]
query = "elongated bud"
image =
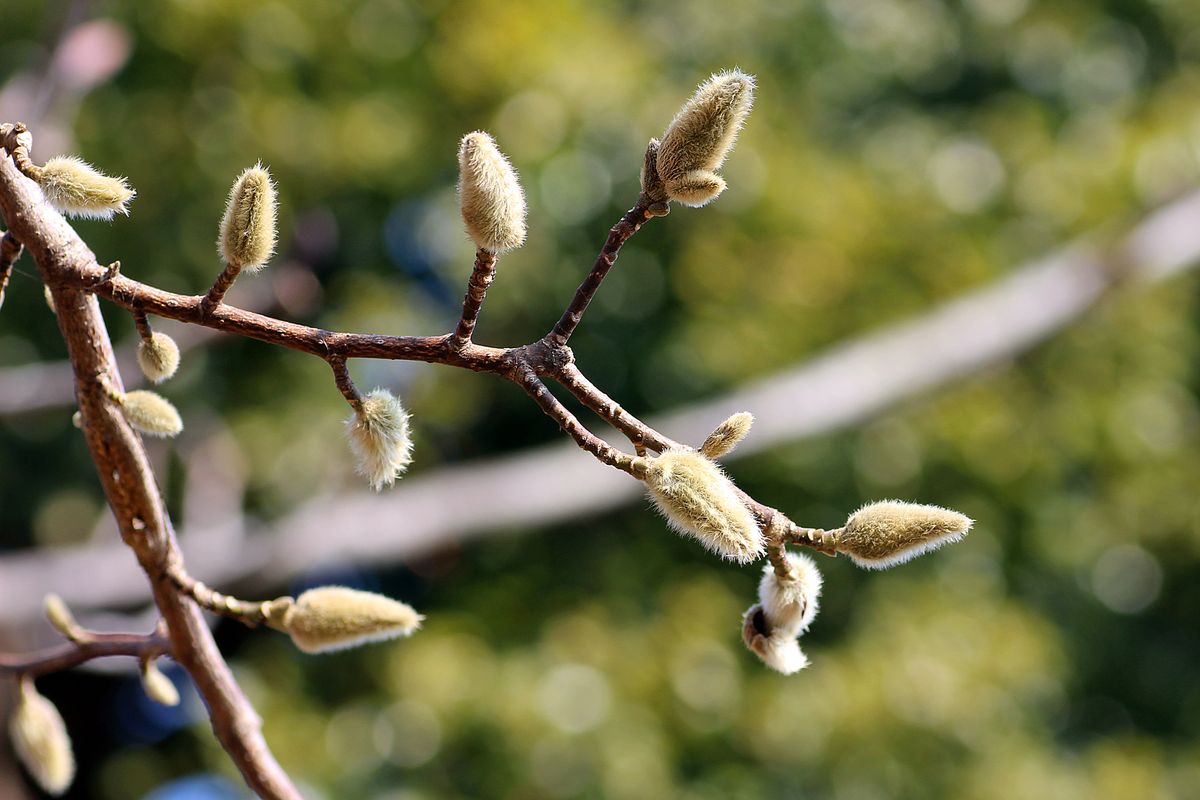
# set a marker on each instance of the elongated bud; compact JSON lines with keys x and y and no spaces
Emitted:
{"x":699,"y":501}
{"x":335,"y":618}
{"x":76,"y":188}
{"x":727,"y":435}
{"x":247,"y":237}
{"x":60,"y":616}
{"x":379,"y":437}
{"x":789,"y":603}
{"x":49,"y":298}
{"x":40,"y":740}
{"x":151,"y":414}
{"x":890,"y":532}
{"x":778,"y":649}
{"x":158,"y":687}
{"x":489,"y":195}
{"x":701,"y":135}
{"x":158,"y":357}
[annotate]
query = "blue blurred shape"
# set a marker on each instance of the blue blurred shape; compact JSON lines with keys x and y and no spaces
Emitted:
{"x":198,"y":787}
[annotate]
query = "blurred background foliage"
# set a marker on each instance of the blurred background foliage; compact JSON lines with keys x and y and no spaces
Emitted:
{"x":900,"y":152}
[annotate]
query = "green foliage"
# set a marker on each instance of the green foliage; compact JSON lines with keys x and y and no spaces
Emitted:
{"x":900,"y":152}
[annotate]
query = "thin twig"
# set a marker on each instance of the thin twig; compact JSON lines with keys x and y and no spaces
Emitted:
{"x":72,"y":654}
{"x":482,"y":276}
{"x":10,"y":251}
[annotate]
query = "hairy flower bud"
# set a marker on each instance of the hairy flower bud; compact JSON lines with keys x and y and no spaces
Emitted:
{"x":700,"y":137}
{"x":727,"y":435}
{"x":335,"y":618}
{"x":890,"y":532}
{"x":74,"y":187}
{"x":489,"y":195}
{"x":40,"y":740}
{"x":777,"y":648}
{"x":158,"y":687}
{"x":60,"y":616}
{"x":379,"y":437}
{"x":247,"y":237}
{"x":790,"y":603}
{"x":151,"y":414}
{"x":158,"y":357}
{"x":699,"y":501}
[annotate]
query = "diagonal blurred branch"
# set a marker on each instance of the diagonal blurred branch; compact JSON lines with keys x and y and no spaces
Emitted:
{"x":840,"y":387}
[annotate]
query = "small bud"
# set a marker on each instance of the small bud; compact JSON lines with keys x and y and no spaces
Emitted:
{"x":247,"y":237}
{"x":158,"y":687}
{"x":701,"y":135}
{"x":151,"y":414}
{"x":60,"y":616}
{"x":40,"y":739}
{"x":335,"y":618}
{"x":727,"y":435}
{"x":49,"y":297}
{"x":890,"y":532}
{"x":789,"y":604}
{"x":74,"y":187}
{"x":379,"y":438}
{"x":77,"y":420}
{"x":699,"y":501}
{"x":489,"y":195}
{"x":158,"y":357}
{"x":778,"y":649}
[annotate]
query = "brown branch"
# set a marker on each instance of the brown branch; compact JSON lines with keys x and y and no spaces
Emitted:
{"x":626,"y":227}
{"x":94,"y":645}
{"x":345,"y":385}
{"x":10,"y":251}
{"x":481,"y":278}
{"x":126,"y":478}
{"x":216,"y":292}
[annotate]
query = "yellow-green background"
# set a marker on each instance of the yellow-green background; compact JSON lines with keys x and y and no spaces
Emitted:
{"x":900,"y":152}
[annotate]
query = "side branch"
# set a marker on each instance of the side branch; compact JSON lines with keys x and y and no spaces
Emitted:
{"x":481,"y":278}
{"x":71,"y":654}
{"x":626,"y":227}
{"x":10,"y":251}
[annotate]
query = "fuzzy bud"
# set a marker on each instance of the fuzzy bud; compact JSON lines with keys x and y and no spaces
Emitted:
{"x":336,"y":618}
{"x":890,"y":532}
{"x":778,"y":649}
{"x":158,"y":687}
{"x":48,"y":296}
{"x":247,"y":237}
{"x":699,"y":501}
{"x":158,"y":357}
{"x":379,"y":437}
{"x":40,"y":739}
{"x":489,"y":195}
{"x":60,"y":616}
{"x":151,"y":413}
{"x":700,"y":137}
{"x":74,"y":187}
{"x":789,"y":604}
{"x":727,"y":435}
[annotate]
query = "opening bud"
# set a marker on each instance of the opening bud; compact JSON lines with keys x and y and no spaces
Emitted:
{"x":379,"y":438}
{"x":699,"y":501}
{"x":890,"y":532}
{"x":789,"y":603}
{"x":778,"y":649}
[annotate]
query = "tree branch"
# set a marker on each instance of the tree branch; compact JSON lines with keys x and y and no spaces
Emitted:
{"x":72,"y":654}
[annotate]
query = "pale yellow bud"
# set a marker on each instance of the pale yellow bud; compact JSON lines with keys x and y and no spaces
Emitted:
{"x":158,"y":687}
{"x":60,"y":616}
{"x":74,"y":187}
{"x":699,"y":501}
{"x":40,"y":740}
{"x":727,"y":435}
{"x":700,"y":137}
{"x":247,"y":237}
{"x":379,"y":438}
{"x":778,"y":649}
{"x":489,"y":195}
{"x":790,"y":603}
{"x":158,"y":357}
{"x":335,"y":618}
{"x":151,"y":414}
{"x":49,"y":298}
{"x":881,"y":535}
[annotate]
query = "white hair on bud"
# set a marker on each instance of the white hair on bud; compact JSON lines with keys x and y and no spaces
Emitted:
{"x":489,"y":194}
{"x":890,"y":532}
{"x":76,"y":188}
{"x":790,"y":603}
{"x":379,"y":437}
